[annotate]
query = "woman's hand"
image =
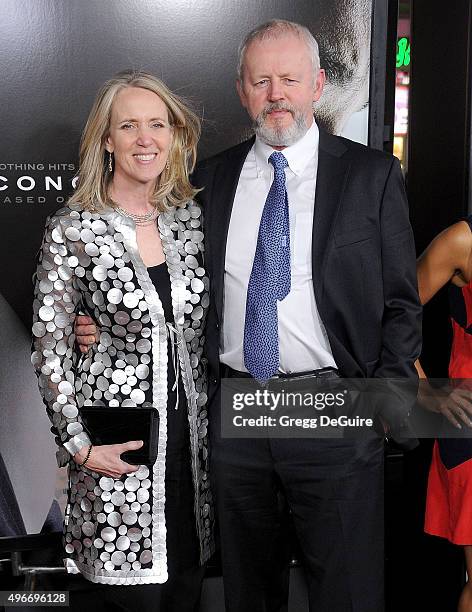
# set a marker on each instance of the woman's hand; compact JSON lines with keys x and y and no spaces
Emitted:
{"x":106,"y":459}
{"x":455,"y":404}
{"x":456,"y":407}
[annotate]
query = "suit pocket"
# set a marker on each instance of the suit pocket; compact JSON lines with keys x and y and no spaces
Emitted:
{"x":357,"y":234}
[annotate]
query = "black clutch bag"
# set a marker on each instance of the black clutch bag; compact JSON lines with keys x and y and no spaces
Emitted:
{"x":107,"y":425}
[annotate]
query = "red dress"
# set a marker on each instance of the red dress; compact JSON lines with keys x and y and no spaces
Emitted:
{"x":449,"y":497}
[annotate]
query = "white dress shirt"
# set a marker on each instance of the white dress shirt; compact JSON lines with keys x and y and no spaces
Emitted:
{"x":303,"y":343}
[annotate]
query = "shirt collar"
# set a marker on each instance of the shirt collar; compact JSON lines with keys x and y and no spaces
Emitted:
{"x":298,"y":155}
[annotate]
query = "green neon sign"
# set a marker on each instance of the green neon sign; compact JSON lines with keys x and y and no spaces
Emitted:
{"x":403,"y":52}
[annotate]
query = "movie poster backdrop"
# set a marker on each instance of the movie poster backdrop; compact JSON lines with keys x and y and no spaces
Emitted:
{"x":55,"y":55}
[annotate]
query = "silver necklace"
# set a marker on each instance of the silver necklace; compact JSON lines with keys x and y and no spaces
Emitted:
{"x":141,"y":220}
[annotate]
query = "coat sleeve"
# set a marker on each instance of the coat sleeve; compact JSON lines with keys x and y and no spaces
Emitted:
{"x":401,"y":323}
{"x":54,"y":356}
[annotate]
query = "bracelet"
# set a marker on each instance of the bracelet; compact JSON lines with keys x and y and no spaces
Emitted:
{"x":87,"y":457}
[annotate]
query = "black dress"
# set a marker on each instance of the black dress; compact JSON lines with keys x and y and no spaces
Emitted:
{"x":181,"y":593}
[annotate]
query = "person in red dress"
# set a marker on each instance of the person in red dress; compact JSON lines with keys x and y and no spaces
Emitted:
{"x":448,"y":259}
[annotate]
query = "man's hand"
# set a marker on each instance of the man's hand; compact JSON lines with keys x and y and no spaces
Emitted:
{"x":106,"y":459}
{"x":86,"y":332}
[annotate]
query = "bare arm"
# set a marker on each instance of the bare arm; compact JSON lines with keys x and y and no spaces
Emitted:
{"x":446,"y":259}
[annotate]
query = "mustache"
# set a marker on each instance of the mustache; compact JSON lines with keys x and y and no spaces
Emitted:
{"x":275,"y":106}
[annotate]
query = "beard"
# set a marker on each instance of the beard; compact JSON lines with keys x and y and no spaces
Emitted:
{"x":277,"y":135}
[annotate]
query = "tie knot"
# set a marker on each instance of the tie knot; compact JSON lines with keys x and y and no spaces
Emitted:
{"x":278,"y":160}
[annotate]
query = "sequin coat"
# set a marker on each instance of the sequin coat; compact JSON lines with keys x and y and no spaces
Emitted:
{"x":114,"y":529}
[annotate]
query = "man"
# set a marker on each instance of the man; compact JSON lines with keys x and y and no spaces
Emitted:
{"x":352,"y":305}
{"x":336,"y":292}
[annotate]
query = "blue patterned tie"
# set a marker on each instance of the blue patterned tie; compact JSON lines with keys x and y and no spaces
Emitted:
{"x":269,"y":280}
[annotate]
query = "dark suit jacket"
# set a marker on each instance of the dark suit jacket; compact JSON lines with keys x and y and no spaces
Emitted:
{"x":364,"y":273}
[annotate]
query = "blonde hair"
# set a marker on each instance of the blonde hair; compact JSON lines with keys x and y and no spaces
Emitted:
{"x":173,"y":186}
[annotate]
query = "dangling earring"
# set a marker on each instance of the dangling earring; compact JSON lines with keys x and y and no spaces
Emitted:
{"x":110,"y":162}
{"x":167,"y":165}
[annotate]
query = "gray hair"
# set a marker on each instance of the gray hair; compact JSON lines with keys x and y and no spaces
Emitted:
{"x":274,"y":29}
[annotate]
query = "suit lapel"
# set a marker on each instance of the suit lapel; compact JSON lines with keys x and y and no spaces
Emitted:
{"x":224,"y":189}
{"x":330,"y":181}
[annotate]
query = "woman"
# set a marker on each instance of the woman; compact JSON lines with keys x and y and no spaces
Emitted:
{"x":449,"y":500}
{"x":127,"y":250}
